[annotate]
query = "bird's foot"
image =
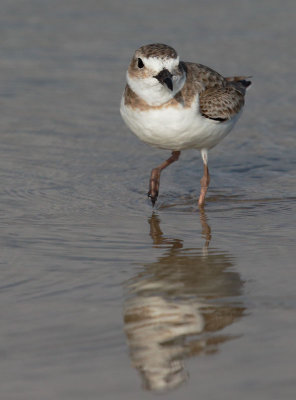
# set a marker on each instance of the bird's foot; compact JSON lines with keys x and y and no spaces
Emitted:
{"x":154,"y":185}
{"x":153,"y":197}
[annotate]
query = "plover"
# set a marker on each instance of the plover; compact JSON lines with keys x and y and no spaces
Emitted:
{"x":177,"y":105}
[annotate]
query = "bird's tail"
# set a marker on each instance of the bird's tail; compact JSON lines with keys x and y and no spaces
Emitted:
{"x":241,"y":83}
{"x":243,"y":80}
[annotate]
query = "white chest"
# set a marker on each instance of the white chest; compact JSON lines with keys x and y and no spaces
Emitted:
{"x":175,"y":128}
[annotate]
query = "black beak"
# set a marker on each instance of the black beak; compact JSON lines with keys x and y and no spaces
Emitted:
{"x":165,"y":77}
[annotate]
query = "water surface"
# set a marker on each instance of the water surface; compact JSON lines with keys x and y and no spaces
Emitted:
{"x":101,"y":296}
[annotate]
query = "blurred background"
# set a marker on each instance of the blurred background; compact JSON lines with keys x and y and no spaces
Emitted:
{"x":101,"y":297}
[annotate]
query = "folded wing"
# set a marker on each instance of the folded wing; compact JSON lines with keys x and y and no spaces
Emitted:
{"x":221,"y":103}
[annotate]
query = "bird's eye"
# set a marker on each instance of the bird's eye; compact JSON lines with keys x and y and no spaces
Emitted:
{"x":140,"y":63}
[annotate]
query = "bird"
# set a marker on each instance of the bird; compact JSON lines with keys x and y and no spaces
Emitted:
{"x":177,"y":105}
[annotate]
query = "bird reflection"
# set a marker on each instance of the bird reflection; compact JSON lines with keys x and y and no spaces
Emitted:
{"x":178,"y":306}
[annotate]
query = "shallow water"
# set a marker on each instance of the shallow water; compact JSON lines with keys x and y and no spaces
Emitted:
{"x":101,"y":296}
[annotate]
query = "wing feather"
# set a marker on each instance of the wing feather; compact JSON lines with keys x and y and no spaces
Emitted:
{"x":221,"y":103}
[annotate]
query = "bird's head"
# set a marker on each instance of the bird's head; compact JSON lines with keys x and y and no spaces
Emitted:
{"x":155,"y":73}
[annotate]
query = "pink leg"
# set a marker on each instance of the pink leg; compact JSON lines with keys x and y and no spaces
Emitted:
{"x":205,"y":181}
{"x":155,"y":176}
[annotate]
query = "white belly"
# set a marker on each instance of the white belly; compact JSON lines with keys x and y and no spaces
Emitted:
{"x":175,"y":128}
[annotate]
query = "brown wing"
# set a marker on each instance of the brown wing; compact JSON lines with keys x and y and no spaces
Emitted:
{"x":221,"y":103}
{"x":220,"y":98}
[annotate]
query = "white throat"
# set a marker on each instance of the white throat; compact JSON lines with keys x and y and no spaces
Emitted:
{"x":150,"y":89}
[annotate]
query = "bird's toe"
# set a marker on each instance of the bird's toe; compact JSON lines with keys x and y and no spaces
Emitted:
{"x":153,"y":197}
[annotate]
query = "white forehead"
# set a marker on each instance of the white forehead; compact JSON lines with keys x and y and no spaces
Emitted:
{"x":157,"y":64}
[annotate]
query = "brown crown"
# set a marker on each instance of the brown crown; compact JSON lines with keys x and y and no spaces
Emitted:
{"x":157,"y":50}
